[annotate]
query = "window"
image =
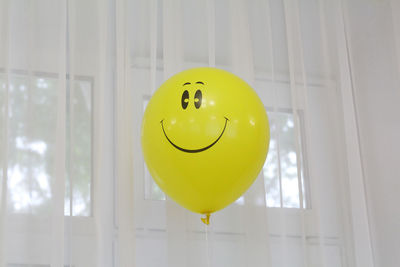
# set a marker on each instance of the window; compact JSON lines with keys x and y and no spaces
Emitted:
{"x":32,"y":119}
{"x":284,"y":185}
{"x":284,"y":170}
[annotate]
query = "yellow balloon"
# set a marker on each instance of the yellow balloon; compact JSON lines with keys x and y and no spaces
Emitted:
{"x":205,"y":137}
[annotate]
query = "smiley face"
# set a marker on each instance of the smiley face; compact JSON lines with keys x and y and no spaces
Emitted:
{"x":198,"y":96}
{"x":205,"y":137}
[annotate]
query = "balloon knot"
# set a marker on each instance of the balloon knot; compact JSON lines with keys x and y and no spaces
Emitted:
{"x":206,"y":220}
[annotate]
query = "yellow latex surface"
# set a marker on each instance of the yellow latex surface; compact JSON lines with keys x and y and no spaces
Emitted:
{"x":205,"y":137}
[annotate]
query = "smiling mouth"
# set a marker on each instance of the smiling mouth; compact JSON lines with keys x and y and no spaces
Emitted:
{"x":194,"y":150}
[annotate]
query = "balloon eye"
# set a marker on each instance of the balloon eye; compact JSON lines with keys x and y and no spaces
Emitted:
{"x":197,"y":99}
{"x":185,"y":99}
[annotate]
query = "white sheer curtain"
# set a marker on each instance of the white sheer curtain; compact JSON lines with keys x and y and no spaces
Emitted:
{"x":75,"y":77}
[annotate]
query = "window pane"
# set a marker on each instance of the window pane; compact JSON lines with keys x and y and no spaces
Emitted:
{"x":288,"y":159}
{"x":2,"y":127}
{"x":151,"y":190}
{"x":31,"y":141}
{"x":272,"y":186}
{"x":32,"y":120}
{"x":270,"y":169}
{"x":282,"y":161}
{"x":79,"y":149}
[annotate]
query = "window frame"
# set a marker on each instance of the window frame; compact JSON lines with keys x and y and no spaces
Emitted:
{"x":152,"y":222}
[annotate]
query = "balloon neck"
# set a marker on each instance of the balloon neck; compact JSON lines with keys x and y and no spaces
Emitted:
{"x":206,"y":220}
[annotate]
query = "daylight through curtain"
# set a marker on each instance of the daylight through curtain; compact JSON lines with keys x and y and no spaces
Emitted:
{"x":75,"y":78}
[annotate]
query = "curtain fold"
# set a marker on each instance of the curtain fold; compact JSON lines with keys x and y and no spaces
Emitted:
{"x":75,"y":78}
{"x":4,"y":131}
